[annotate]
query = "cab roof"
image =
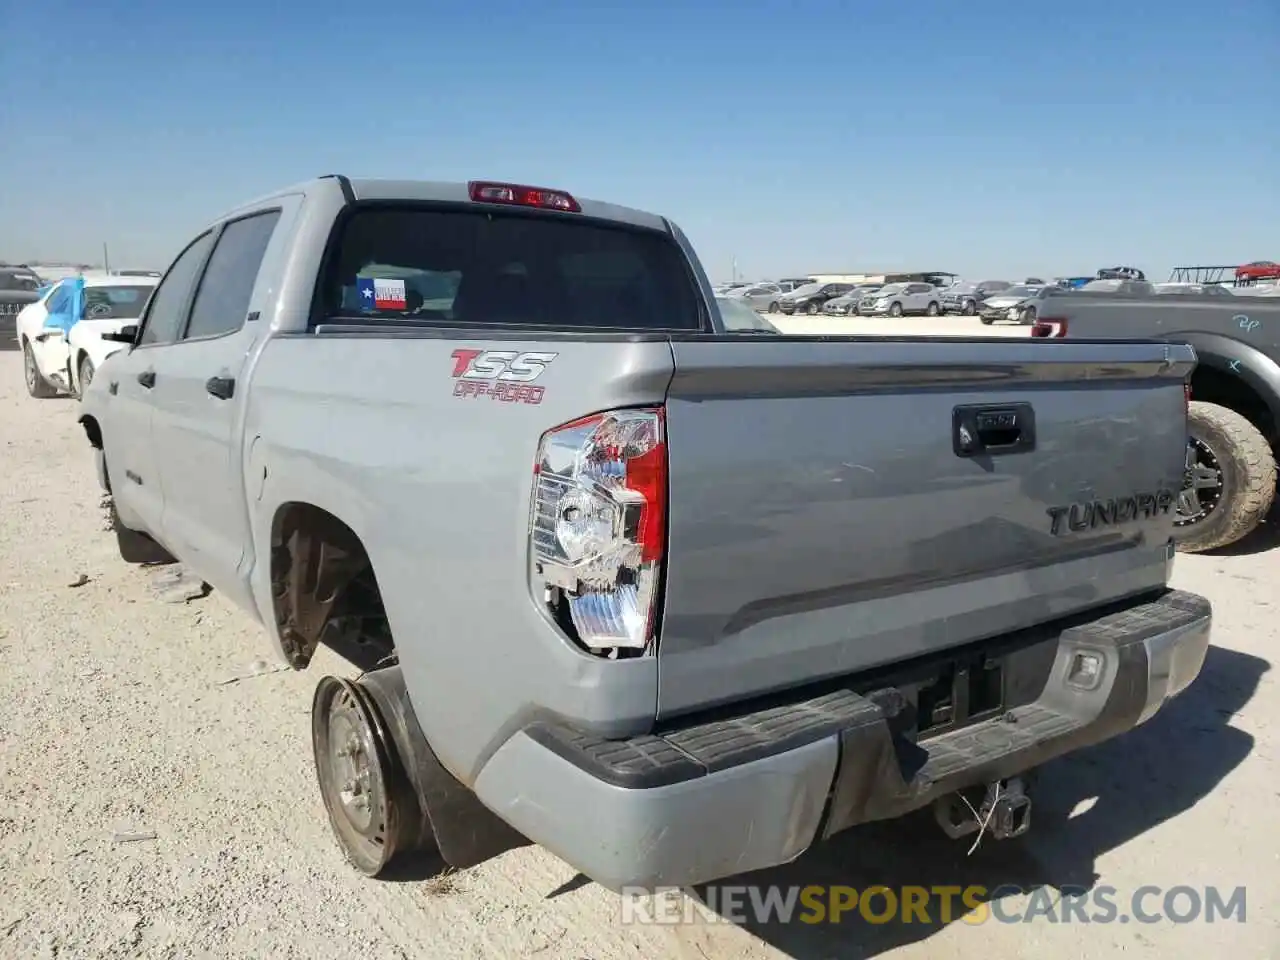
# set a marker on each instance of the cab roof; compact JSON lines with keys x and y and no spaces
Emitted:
{"x":440,"y":191}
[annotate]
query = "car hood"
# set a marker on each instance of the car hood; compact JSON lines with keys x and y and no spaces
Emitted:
{"x":1004,"y":301}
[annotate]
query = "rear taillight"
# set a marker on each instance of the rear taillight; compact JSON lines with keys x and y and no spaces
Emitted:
{"x":598,"y":527}
{"x":1049,"y":328}
{"x":515,"y":194}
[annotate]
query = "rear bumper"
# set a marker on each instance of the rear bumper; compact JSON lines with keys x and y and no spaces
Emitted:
{"x":756,"y":789}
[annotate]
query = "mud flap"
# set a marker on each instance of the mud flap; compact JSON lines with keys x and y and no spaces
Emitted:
{"x":466,"y":832}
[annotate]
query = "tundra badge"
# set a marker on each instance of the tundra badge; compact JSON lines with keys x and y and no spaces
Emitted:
{"x":1091,"y":514}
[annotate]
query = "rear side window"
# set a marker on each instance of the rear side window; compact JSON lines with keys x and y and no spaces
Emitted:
{"x":227,"y":285}
{"x":115,"y":302}
{"x":486,"y":268}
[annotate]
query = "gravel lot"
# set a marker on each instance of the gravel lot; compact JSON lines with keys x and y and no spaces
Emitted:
{"x":157,"y":796}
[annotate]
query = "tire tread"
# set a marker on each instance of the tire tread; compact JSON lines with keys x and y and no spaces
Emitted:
{"x":1253,"y":462}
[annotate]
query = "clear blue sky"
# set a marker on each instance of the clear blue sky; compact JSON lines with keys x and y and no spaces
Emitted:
{"x":987,"y":138}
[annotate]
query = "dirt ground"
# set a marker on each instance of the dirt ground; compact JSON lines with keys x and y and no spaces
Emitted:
{"x":157,"y":797}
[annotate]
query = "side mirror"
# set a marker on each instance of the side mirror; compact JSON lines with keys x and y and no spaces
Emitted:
{"x":124,"y":335}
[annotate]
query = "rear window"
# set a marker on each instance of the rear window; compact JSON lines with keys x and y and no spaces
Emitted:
{"x":484,"y":268}
{"x":115,"y":303}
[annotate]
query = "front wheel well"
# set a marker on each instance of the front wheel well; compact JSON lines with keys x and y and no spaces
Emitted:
{"x":92,"y":430}
{"x":1211,"y":385}
{"x":324,"y":590}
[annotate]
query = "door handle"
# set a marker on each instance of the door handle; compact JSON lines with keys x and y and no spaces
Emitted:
{"x":223,"y":388}
{"x":147,"y":378}
{"x":981,"y":430}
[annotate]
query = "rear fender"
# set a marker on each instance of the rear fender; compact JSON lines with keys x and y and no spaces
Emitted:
{"x":1253,"y":367}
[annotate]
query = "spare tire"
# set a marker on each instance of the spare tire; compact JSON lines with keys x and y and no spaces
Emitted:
{"x":1229,"y":482}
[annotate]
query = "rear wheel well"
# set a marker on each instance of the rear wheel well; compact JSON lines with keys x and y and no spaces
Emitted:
{"x":1215,"y":386}
{"x":324,"y":590}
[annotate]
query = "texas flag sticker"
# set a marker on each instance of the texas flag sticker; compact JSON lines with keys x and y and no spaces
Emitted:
{"x":381,"y":294}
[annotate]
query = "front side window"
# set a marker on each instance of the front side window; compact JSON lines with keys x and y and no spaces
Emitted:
{"x":227,"y":285}
{"x":488,"y":268}
{"x":169,"y":303}
{"x":59,"y":300}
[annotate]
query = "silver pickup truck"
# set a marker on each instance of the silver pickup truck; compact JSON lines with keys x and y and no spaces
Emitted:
{"x":1229,"y":484}
{"x":674,"y":601}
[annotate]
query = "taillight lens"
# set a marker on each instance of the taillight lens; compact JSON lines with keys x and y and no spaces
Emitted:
{"x":598,"y":527}
{"x":1049,"y":328}
{"x":483,"y":191}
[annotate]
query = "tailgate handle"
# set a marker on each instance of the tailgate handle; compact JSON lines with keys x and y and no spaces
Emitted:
{"x":990,"y":431}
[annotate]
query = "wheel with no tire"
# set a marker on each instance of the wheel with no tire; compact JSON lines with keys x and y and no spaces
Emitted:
{"x":366,"y":792}
{"x":1229,"y":482}
{"x":895,"y":309}
{"x":37,"y":385}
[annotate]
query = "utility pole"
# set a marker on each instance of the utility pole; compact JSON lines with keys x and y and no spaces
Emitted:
{"x":106,"y":261}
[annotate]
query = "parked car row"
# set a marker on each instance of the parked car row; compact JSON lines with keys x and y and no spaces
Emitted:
{"x":765,"y":295}
{"x":991,"y":300}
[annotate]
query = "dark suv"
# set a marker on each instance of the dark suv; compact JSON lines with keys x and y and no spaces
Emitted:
{"x":19,"y":286}
{"x":966,"y":298}
{"x":810,"y":298}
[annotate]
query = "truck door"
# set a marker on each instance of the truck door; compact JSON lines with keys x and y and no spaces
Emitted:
{"x":131,"y":381}
{"x":197,"y":430}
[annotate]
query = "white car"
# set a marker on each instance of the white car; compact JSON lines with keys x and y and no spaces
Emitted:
{"x":757,"y":296}
{"x":61,"y":333}
{"x":895,"y":299}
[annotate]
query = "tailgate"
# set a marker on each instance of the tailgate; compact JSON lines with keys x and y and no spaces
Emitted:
{"x":823,"y":519}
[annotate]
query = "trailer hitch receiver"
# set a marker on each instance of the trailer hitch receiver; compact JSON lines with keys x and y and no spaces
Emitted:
{"x":1002,"y":809}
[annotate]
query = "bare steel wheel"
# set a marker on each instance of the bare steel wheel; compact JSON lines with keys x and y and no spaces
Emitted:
{"x":361,"y":780}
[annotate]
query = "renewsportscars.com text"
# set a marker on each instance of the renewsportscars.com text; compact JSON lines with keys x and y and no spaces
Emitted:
{"x":937,"y":904}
